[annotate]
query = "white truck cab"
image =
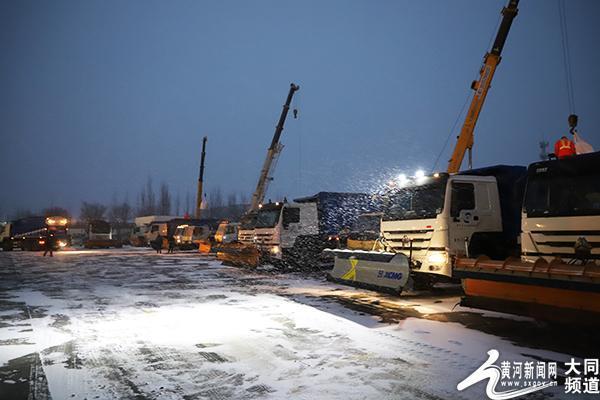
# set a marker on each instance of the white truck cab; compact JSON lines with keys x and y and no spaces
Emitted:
{"x":433,"y":219}
{"x":278,"y":226}
{"x":561,"y":210}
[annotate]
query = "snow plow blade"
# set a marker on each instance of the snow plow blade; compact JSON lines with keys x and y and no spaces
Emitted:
{"x":238,"y":254}
{"x":205,"y":247}
{"x":383,"y":272}
{"x":554,"y":291}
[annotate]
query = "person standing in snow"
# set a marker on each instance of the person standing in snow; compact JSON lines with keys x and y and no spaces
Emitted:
{"x":171,"y":244}
{"x":48,"y":243}
{"x":157,"y":244}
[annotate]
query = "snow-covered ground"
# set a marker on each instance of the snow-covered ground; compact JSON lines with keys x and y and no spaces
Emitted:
{"x":128,"y":323}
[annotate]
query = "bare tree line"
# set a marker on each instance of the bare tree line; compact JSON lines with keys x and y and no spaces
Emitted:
{"x":152,"y":202}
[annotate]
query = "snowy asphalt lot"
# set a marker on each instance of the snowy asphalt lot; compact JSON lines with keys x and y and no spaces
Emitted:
{"x":130,"y":324}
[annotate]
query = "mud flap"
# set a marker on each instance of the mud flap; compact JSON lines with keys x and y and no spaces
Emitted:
{"x":386,"y":272}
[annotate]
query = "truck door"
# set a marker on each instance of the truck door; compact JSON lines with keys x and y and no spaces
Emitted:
{"x":464,"y":218}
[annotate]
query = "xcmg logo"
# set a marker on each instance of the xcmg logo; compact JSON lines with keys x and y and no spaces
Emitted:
{"x":389,"y":275}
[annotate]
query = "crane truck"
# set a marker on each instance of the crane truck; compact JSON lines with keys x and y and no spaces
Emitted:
{"x":432,"y":219}
{"x":246,"y":230}
{"x":243,"y":251}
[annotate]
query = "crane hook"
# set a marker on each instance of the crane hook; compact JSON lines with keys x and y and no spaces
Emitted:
{"x":295,"y":113}
{"x":573,"y":119}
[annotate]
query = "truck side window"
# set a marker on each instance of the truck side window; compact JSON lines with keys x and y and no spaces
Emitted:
{"x":463,"y":198}
{"x":291,"y":216}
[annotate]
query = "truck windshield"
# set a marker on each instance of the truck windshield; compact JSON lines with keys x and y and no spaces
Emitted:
{"x":267,"y":218}
{"x":367,"y":223}
{"x":415,"y":202}
{"x":563,"y":194}
{"x":100,"y":227}
{"x":248,"y":221}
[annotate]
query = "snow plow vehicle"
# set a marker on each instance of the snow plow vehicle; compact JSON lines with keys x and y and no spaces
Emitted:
{"x":294,"y":235}
{"x":433,"y":219}
{"x":193,"y":233}
{"x":557,"y":275}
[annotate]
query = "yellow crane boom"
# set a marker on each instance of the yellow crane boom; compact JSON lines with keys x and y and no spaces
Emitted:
{"x":481,"y":86}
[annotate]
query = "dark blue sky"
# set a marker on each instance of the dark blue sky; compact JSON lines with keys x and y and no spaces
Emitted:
{"x":95,"y":96}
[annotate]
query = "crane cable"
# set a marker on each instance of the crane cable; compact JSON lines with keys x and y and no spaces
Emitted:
{"x":297,"y":111}
{"x":566,"y":55}
{"x":458,"y":118}
{"x":462,"y":110}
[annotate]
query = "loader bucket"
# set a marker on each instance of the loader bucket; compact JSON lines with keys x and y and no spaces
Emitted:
{"x":238,"y":254}
{"x":384,"y":272}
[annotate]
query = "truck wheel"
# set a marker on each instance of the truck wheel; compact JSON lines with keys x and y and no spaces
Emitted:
{"x":422,"y":281}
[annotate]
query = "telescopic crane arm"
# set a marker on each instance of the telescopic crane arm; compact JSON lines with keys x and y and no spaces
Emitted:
{"x":200,"y":180}
{"x":481,"y":87}
{"x":272,"y":153}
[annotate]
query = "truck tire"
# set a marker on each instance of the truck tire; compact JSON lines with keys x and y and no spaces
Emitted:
{"x":422,"y":281}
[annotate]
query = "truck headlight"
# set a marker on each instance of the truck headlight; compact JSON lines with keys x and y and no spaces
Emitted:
{"x":275,"y":250}
{"x":437,"y":258}
{"x":62,"y":244}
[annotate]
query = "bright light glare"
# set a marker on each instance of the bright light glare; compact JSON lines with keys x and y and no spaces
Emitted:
{"x":402,"y":179}
{"x":420,"y":174}
{"x":54,"y":221}
{"x":437,"y":258}
{"x":180,"y":325}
